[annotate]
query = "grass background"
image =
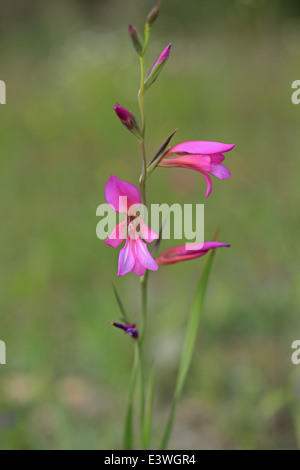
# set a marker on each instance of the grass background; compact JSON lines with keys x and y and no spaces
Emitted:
{"x":228,"y":79}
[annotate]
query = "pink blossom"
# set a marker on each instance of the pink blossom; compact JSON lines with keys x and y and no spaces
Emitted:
{"x":134,"y":256}
{"x":206,"y":157}
{"x":181,"y":253}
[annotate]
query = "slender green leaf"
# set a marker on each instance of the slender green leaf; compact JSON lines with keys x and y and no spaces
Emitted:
{"x":159,"y":154}
{"x":121,"y":306}
{"x":193,"y":325}
{"x":167,"y":433}
{"x":128,"y":431}
{"x":189,"y":344}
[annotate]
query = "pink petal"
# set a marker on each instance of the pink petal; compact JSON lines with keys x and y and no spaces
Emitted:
{"x":204,"y":246}
{"x":193,"y":162}
{"x":143,"y":256}
{"x":139,"y":269}
{"x":200,"y":147}
{"x":220,"y":171}
{"x":217,"y":158}
{"x":180,"y":253}
{"x":126,"y":258}
{"x":116,"y":188}
{"x":118,"y":235}
{"x":146,"y":232}
{"x":208,"y":183}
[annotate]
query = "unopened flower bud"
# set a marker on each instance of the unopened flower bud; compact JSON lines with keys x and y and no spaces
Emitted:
{"x":153,"y":14}
{"x":128,"y":329}
{"x":128,"y":120}
{"x":157,"y":67}
{"x":136,"y":39}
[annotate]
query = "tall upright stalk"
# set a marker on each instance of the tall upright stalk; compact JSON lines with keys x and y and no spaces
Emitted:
{"x":206,"y":157}
{"x":144,"y":279}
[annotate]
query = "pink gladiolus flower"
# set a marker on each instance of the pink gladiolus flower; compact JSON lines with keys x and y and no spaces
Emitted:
{"x":206,"y":157}
{"x":181,"y":253}
{"x":134,"y":256}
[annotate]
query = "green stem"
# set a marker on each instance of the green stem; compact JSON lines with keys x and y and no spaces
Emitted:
{"x":141,"y":94}
{"x":147,"y":36}
{"x":128,"y":427}
{"x":144,"y":174}
{"x":144,"y":280}
{"x":141,"y":391}
{"x":142,"y":140}
{"x":144,"y":284}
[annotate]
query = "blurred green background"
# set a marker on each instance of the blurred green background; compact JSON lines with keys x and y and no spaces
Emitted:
{"x":65,"y":64}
